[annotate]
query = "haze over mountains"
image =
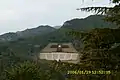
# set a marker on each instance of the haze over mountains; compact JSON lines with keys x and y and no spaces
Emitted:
{"x":27,"y":33}
{"x":93,"y":21}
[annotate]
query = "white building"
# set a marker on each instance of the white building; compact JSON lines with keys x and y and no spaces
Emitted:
{"x":64,"y":52}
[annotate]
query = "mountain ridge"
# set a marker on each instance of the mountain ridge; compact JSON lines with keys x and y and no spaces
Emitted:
{"x":11,"y":36}
{"x":88,"y":23}
{"x":83,"y":24}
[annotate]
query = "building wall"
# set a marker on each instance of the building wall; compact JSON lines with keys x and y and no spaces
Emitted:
{"x":59,"y":56}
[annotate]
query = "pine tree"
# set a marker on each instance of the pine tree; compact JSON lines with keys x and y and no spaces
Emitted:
{"x":112,"y":14}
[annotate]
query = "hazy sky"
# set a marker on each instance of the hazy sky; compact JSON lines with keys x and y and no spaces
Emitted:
{"x":17,"y":15}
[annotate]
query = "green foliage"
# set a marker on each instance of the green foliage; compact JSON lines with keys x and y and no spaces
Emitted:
{"x":30,"y":70}
{"x":99,"y":38}
{"x":25,"y":71}
{"x":98,"y":53}
{"x":97,"y":10}
{"x":112,"y":13}
{"x":93,"y":21}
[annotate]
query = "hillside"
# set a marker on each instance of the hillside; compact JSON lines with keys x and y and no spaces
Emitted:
{"x":31,"y":41}
{"x":26,"y":45}
{"x":88,"y":23}
{"x":85,"y":24}
{"x":40,"y":30}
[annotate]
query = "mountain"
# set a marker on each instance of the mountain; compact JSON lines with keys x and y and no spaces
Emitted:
{"x":57,"y":27}
{"x":36,"y":38}
{"x":36,"y":31}
{"x":22,"y":41}
{"x":85,"y":24}
{"x":28,"y":43}
{"x":40,"y":30}
{"x":9,"y":36}
{"x":93,"y":21}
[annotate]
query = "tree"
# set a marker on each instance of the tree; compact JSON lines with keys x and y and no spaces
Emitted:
{"x":30,"y":70}
{"x":112,"y":14}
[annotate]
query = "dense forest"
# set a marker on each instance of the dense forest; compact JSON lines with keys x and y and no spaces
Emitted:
{"x":100,"y":50}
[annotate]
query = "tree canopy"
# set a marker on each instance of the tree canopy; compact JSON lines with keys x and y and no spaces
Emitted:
{"x":112,"y":13}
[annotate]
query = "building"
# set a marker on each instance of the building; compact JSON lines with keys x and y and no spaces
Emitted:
{"x":64,"y":52}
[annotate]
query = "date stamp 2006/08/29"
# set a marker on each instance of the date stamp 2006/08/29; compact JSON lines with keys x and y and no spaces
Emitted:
{"x":76,"y":72}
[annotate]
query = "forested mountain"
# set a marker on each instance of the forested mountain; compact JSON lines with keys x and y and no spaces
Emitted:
{"x":26,"y":45}
{"x":40,"y":30}
{"x":88,"y":23}
{"x":85,"y":24}
{"x":31,"y":41}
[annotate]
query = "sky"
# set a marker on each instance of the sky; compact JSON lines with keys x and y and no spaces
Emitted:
{"x":18,"y":15}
